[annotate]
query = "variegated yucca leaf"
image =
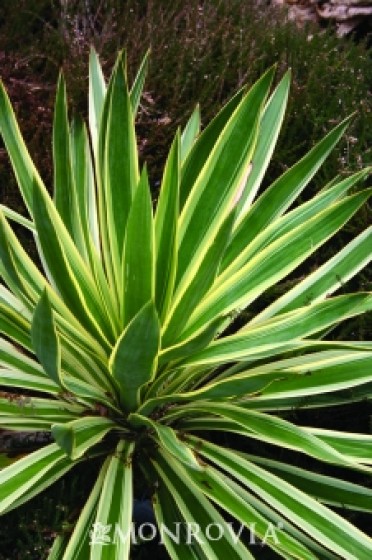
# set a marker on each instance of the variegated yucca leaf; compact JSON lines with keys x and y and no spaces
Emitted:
{"x":123,"y":346}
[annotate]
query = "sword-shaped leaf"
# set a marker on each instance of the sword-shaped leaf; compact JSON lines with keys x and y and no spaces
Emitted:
{"x":39,"y":408}
{"x":14,"y":326}
{"x":272,"y":119}
{"x":82,"y":538}
{"x":121,"y":156}
{"x":214,"y":192}
{"x":230,"y":497}
{"x":76,"y":291}
{"x":186,"y":300}
{"x":284,"y":224}
{"x":138,"y":266}
{"x":116,"y":504}
{"x":327,"y":489}
{"x":274,"y":262}
{"x":280,"y":330}
{"x":358,"y":447}
{"x":32,"y":474}
{"x":27,"y":278}
{"x":328,"y":278}
{"x":23,"y":166}
{"x":30,"y":382}
{"x":168,"y":439}
{"x":84,"y":193}
{"x":133,"y":358}
{"x":166,"y":217}
{"x":202,"y":148}
{"x":14,"y":279}
{"x":76,"y":437}
{"x":277,"y":432}
{"x":139,"y":81}
{"x":97,"y":93}
{"x":280,"y":195}
{"x":45,"y":340}
{"x":191,"y":345}
{"x":168,"y":516}
{"x":64,"y":187}
{"x":319,"y":522}
{"x":58,"y":547}
{"x":190,"y":133}
{"x":198,"y":512}
{"x":18,"y":218}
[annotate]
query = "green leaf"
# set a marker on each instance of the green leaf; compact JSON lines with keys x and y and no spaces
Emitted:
{"x":10,"y":272}
{"x":168,"y":515}
{"x":24,"y":424}
{"x":58,"y":548}
{"x":30,"y":382}
{"x":274,"y":262}
{"x":79,"y":547}
{"x":14,"y":326}
{"x":76,"y":291}
{"x":86,"y":367}
{"x":20,"y":273}
{"x":327,"y":489}
{"x":84,"y":195}
{"x":32,"y":283}
{"x":97,"y":93}
{"x":196,"y":509}
{"x":191,"y":345}
{"x":76,"y":437}
{"x":276,"y":431}
{"x":190,"y":133}
{"x":214,"y":192}
{"x":133,"y":359}
{"x":345,"y":372}
{"x":272,"y":119}
{"x":90,"y":395}
{"x":45,"y":339}
{"x":203,"y":146}
{"x":64,"y":187}
{"x":358,"y":447}
{"x":320,"y":523}
{"x":23,"y":166}
{"x":284,"y":224}
{"x":18,"y":218}
{"x":31,"y":474}
{"x":169,"y":439}
{"x":280,"y":195}
{"x":24,"y":406}
{"x":138,"y":259}
{"x":137,"y":87}
{"x":116,"y":504}
{"x":121,"y":158}
{"x":186,"y":300}
{"x":166,"y":230}
{"x":230,"y":497}
{"x":282,"y":330}
{"x":9,"y":299}
{"x":106,"y":238}
{"x":326,"y":279}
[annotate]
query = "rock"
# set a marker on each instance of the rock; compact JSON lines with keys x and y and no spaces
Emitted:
{"x":347,"y":15}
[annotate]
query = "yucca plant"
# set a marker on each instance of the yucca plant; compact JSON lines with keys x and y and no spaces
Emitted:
{"x":123,"y":347}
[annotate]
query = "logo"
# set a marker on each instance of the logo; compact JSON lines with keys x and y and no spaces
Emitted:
{"x":100,"y":534}
{"x":186,"y":533}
